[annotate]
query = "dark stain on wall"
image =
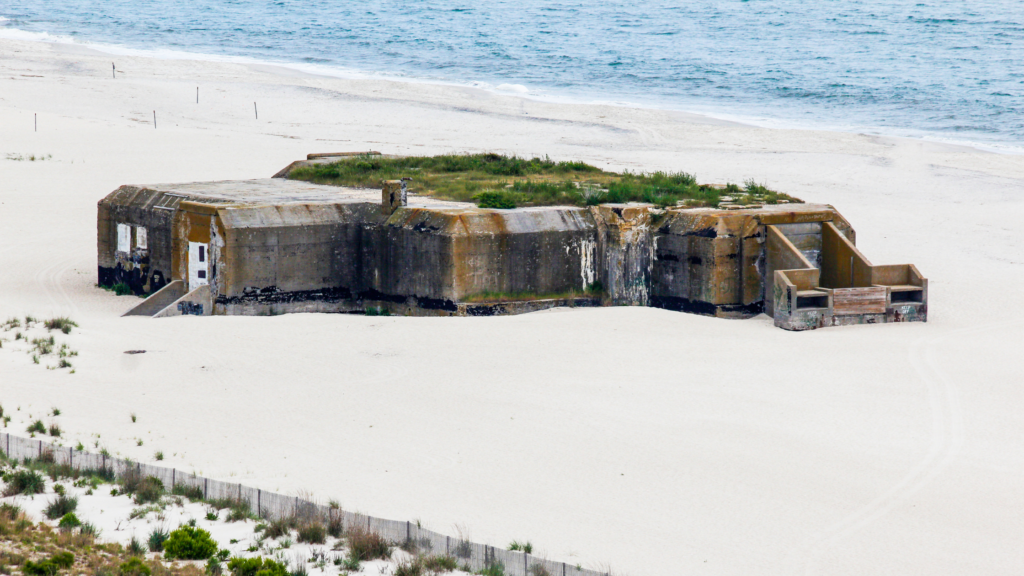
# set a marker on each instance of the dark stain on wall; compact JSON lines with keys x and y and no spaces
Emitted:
{"x":706,"y":308}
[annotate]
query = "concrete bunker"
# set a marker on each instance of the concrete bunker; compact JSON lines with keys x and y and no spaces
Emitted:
{"x":272,"y":246}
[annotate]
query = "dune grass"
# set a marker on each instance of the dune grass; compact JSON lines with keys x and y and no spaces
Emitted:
{"x":499,"y":181}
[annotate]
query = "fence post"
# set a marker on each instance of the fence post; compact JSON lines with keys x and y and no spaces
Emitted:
{"x":71,"y":457}
{"x":563,"y":568}
{"x":206,"y":486}
{"x":526,"y":563}
{"x":239,"y":491}
{"x":259,"y":503}
{"x":447,"y":542}
{"x":408,"y":531}
{"x":174,"y":473}
{"x":40,"y":449}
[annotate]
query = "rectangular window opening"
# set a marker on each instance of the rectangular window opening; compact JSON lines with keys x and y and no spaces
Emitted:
{"x":202,"y":254}
{"x":201,"y":273}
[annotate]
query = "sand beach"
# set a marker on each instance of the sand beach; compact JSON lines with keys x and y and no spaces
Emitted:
{"x":638,"y":440}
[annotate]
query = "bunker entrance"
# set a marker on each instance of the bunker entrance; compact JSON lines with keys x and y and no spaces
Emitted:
{"x":198,"y":264}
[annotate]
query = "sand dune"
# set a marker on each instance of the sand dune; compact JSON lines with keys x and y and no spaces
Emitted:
{"x":649,"y":441}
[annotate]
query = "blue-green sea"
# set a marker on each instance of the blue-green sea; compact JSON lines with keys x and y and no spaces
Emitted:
{"x":945,"y":70}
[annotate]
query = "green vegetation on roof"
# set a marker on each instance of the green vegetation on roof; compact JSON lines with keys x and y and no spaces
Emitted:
{"x":498,"y":181}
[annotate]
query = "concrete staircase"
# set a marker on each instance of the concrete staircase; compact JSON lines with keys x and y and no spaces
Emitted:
{"x":173,"y":300}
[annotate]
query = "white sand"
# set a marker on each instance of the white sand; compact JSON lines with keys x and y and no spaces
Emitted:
{"x":653,"y":442}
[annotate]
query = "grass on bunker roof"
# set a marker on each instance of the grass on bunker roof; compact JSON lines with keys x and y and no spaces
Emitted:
{"x":500,"y":181}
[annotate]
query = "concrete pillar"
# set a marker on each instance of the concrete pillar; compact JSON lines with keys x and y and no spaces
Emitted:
{"x":393,"y":195}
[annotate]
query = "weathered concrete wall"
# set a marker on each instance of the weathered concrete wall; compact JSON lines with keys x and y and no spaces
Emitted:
{"x":625,"y":246}
{"x":709,"y":263}
{"x":434,"y":259}
{"x":144,"y":270}
{"x":842,"y":265}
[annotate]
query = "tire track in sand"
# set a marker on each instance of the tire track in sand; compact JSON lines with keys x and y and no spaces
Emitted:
{"x":947,"y":438}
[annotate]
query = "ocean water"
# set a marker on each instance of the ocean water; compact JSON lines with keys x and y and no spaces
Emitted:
{"x":948,"y":70}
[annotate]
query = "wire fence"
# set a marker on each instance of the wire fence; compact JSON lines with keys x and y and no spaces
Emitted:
{"x":271,"y":505}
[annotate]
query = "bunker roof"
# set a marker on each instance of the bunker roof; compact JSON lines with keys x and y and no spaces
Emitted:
{"x":269,"y":191}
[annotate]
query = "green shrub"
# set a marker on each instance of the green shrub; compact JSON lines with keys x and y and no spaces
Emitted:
{"x":49,"y":567}
{"x":189,"y":543}
{"x":59,"y":506}
{"x":521,"y":547}
{"x":134,"y":567}
{"x":37,"y":426}
{"x":410,"y":567}
{"x":62,"y":323}
{"x":440,"y":563}
{"x":312,"y":533}
{"x":134,"y":547}
{"x":350,"y":563}
{"x":258,"y":566}
{"x":9,"y":511}
{"x":214,"y":567}
{"x":156,"y":539}
{"x":23,"y":481}
{"x":69,"y":522}
{"x":63,"y":559}
{"x":279,"y":527}
{"x":190,"y":491}
{"x":500,"y":200}
{"x":150,"y":489}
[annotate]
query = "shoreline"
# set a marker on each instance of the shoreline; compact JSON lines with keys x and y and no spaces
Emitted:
{"x":309,"y":70}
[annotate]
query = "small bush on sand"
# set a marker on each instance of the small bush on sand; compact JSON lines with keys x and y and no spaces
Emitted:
{"x":279,"y":527}
{"x":55,"y":430}
{"x":190,"y":491}
{"x":366,"y":545}
{"x":189,"y":543}
{"x":156,"y":539}
{"x":335,"y":527}
{"x":149,"y":490}
{"x":256,"y":567}
{"x":516,"y":546}
{"x":134,"y":547}
{"x":69,"y":522}
{"x":49,"y":567}
{"x":312,"y":533}
{"x":59,"y":506}
{"x":134,"y":567}
{"x":24,"y":481}
{"x":62,"y":323}
{"x":440,"y":563}
{"x":37,"y":426}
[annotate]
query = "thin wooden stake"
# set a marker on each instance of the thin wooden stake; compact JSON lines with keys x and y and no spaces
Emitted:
{"x":113,"y":71}
{"x":255,"y":110}
{"x":154,"y":119}
{"x":35,"y":122}
{"x":197,"y":94}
